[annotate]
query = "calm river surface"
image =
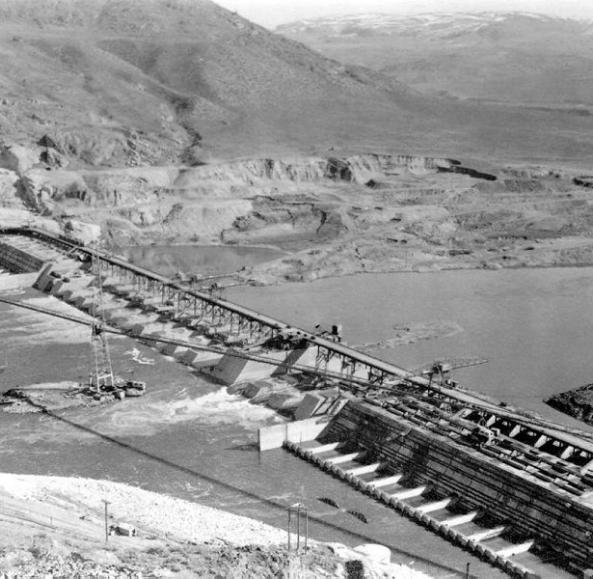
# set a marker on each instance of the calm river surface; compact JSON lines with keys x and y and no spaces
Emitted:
{"x":189,"y":438}
{"x":535,"y":326}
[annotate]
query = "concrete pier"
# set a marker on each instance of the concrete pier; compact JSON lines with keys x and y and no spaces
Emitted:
{"x":231,"y":369}
{"x":301,"y":431}
{"x":200,"y":359}
{"x":17,"y":260}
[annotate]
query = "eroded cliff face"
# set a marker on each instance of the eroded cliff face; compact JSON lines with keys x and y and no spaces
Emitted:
{"x":357,"y":168}
{"x":335,"y":215}
{"x":243,"y":201}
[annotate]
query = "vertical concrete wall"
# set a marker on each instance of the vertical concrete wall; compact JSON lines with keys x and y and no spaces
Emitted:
{"x":231,"y":369}
{"x":45,"y":280}
{"x":200,"y":359}
{"x":554,"y":517}
{"x":275,"y":436}
{"x":18,"y":261}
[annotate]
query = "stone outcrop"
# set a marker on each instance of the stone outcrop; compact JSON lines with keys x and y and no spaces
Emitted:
{"x":17,"y":158}
{"x":83,"y":232}
{"x":357,"y":168}
{"x":577,"y":403}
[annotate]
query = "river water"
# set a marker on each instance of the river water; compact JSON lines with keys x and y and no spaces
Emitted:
{"x":189,"y":438}
{"x":199,"y":259}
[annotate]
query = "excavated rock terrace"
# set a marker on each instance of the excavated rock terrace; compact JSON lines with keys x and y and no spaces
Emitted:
{"x":333,"y":215}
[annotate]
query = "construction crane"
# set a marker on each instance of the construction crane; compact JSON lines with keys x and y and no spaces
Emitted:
{"x":102,"y":377}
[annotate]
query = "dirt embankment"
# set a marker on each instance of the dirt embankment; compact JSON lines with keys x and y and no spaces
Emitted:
{"x":55,"y":527}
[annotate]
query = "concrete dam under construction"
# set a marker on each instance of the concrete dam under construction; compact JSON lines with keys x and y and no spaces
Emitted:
{"x":512,"y":488}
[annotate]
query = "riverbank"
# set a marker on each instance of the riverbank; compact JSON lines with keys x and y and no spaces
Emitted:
{"x":345,"y":260}
{"x":55,"y":526}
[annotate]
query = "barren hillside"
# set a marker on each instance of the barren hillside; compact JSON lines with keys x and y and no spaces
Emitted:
{"x":134,"y":82}
{"x":531,"y":59}
{"x":130,"y":82}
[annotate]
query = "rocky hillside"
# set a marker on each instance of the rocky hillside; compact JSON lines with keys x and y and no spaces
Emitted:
{"x":330,"y":215}
{"x":277,"y":201}
{"x":513,"y":58}
{"x":128,"y":82}
{"x":144,"y":82}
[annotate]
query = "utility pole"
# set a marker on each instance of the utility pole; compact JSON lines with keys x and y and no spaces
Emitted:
{"x":106,"y":520}
{"x":301,"y":513}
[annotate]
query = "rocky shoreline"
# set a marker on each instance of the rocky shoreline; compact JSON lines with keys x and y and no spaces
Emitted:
{"x":577,"y":403}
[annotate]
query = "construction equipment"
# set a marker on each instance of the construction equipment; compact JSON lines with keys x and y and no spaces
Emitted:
{"x":102,"y":385}
{"x":102,"y":377}
{"x":442,"y":369}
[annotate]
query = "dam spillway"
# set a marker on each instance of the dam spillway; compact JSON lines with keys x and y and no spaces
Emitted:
{"x":429,"y":472}
{"x":549,"y":459}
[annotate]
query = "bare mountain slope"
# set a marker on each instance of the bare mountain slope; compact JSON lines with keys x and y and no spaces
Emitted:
{"x":107,"y":77}
{"x":134,"y":82}
{"x":516,"y":57}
